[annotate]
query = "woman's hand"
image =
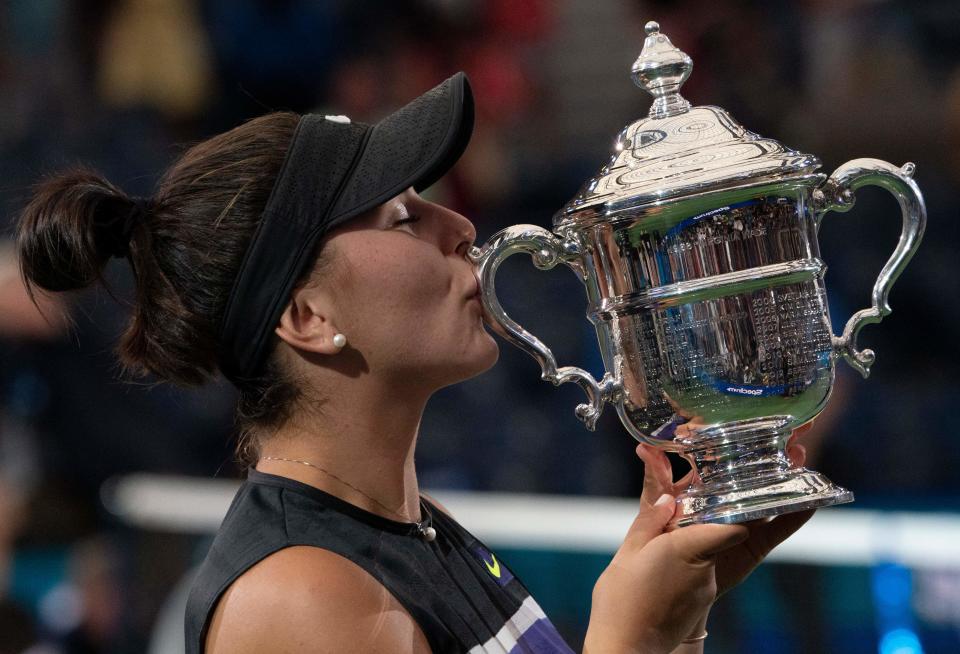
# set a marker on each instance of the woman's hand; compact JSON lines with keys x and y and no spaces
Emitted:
{"x":660,"y":585}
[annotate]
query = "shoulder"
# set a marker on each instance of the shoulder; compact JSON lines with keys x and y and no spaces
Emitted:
{"x":306,"y":599}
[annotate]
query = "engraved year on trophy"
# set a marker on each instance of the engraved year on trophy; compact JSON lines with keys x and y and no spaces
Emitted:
{"x":697,"y":246}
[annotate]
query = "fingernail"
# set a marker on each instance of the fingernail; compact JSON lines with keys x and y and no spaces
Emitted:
{"x":664,"y":499}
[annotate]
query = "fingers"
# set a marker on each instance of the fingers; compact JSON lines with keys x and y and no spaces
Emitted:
{"x":657,"y":474}
{"x":701,"y":542}
{"x":797,"y":455}
{"x":651,"y":521}
{"x":657,"y":501}
{"x":767,"y":535}
{"x":802,"y":429}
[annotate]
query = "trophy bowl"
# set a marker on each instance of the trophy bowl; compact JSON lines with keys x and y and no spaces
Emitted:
{"x":697,"y":247}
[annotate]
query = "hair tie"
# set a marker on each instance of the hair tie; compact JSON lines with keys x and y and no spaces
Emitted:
{"x":118,"y":231}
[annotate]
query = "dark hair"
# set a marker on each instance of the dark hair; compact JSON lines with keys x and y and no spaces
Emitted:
{"x":185,"y":249}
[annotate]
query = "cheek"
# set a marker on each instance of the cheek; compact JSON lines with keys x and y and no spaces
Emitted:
{"x":392,"y":294}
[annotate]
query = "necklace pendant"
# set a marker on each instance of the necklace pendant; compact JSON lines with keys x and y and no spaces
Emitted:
{"x":429,"y":534}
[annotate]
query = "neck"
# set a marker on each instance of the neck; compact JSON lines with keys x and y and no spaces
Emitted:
{"x":363,"y":439}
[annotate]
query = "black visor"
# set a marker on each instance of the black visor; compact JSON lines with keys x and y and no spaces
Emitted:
{"x":334,"y":170}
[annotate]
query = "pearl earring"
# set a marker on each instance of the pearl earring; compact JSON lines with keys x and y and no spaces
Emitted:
{"x":339,"y":340}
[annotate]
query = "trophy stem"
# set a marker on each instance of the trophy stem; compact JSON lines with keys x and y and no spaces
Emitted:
{"x":734,"y":463}
{"x":743,"y":474}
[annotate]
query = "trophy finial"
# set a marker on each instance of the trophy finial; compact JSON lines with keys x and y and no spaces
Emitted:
{"x":660,"y":70}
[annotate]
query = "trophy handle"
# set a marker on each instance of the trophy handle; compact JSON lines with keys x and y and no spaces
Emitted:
{"x":547,"y":251}
{"x":837,"y":194}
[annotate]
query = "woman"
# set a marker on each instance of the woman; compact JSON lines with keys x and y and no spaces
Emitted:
{"x":296,"y":256}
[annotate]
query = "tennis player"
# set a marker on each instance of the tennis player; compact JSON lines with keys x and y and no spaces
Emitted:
{"x":294,"y":255}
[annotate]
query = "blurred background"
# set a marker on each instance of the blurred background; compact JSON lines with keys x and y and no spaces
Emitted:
{"x":127,"y":85}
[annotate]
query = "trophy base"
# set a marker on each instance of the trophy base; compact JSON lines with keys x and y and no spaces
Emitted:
{"x":796,"y":489}
{"x":743,"y":473}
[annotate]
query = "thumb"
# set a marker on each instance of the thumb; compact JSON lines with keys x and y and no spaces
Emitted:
{"x":651,"y":521}
{"x":701,"y":542}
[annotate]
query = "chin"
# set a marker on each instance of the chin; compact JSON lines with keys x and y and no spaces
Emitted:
{"x":485,"y":360}
{"x":482,"y":362}
{"x":491,"y":358}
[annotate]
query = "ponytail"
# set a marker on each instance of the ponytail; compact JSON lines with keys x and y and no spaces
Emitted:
{"x":185,"y":245}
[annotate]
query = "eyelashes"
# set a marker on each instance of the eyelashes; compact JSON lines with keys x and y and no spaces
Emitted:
{"x":403,"y":215}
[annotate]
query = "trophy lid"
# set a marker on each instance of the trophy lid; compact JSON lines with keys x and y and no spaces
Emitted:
{"x":678,"y":150}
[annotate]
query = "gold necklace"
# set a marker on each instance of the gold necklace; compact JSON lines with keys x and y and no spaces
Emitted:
{"x":424,"y":528}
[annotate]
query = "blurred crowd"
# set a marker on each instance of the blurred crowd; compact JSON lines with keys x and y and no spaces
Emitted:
{"x":127,"y":85}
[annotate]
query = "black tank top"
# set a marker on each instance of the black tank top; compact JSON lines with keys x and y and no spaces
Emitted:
{"x":459,"y":592}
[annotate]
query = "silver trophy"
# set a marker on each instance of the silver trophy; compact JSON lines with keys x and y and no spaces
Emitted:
{"x":697,"y":246}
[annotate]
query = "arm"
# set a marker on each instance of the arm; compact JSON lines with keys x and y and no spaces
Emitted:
{"x":660,"y":585}
{"x":305,"y":599}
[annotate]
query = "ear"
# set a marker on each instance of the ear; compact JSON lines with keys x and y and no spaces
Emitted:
{"x":306,"y":322}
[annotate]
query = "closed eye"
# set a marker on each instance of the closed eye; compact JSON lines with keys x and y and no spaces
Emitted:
{"x":408,"y":219}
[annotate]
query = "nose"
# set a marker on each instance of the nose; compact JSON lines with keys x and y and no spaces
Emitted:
{"x":459,"y":232}
{"x":468,"y":237}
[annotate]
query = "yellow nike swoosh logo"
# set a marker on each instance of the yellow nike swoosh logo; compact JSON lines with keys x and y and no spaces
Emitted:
{"x":495,"y":568}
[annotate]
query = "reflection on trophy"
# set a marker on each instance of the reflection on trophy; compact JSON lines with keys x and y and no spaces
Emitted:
{"x":697,"y":246}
